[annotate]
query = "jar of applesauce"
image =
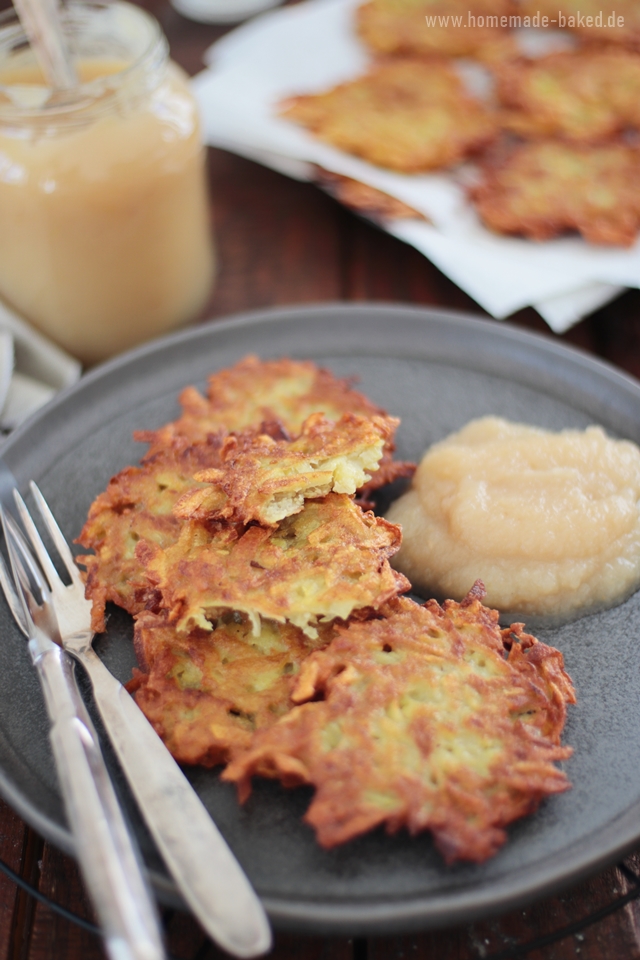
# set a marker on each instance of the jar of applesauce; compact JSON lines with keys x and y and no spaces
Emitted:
{"x":104,"y":221}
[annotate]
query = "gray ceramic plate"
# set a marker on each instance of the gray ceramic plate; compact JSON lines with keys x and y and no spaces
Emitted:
{"x":436,"y":370}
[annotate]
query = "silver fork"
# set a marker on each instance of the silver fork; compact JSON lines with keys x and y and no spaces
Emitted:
{"x":197,"y":856}
{"x":107,"y":855}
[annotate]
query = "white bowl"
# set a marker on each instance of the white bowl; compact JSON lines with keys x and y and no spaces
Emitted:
{"x":221,"y":11}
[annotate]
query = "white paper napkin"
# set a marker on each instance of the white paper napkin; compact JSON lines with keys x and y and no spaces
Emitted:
{"x":32,"y":369}
{"x":312,"y":46}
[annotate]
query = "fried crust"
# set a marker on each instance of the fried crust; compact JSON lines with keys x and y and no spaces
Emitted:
{"x":401,"y":27}
{"x":282,"y":393}
{"x":544,"y":189}
{"x":258,"y":391}
{"x":431,"y":718}
{"x":206,"y":693}
{"x":407,"y":115}
{"x":364,"y":199}
{"x":266,"y":480}
{"x":581,"y":95}
{"x":323,"y":563}
{"x":137,"y":506}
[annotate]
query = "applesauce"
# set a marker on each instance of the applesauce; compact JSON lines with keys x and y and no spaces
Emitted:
{"x":105,"y":238}
{"x":549,"y":521}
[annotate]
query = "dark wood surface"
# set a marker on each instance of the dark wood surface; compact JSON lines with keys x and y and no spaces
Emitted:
{"x":283,"y":242}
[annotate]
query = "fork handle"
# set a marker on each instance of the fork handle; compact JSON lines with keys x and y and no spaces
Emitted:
{"x":195,"y":852}
{"x":109,"y":864}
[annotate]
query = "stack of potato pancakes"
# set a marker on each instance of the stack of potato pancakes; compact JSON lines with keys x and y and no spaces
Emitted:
{"x":555,"y":137}
{"x":270,"y":632}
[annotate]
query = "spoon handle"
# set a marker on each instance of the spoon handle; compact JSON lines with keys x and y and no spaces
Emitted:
{"x":41,"y":22}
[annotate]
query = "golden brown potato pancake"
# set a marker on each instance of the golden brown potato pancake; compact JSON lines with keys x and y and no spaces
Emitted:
{"x":543,"y":189}
{"x":401,"y":26}
{"x":364,"y":199}
{"x":431,"y":718}
{"x":283,"y":392}
{"x":616,"y":23}
{"x":137,"y":505}
{"x":320,"y":564}
{"x":583,"y":95}
{"x":206,"y":693}
{"x":263,"y":479}
{"x":258,"y":391}
{"x":408,"y":115}
{"x":274,"y":395}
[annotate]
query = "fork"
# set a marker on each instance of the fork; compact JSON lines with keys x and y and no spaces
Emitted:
{"x":108,"y":857}
{"x":207,"y":873}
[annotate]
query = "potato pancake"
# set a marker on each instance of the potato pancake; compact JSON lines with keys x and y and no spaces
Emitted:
{"x":275,"y":398}
{"x":206,"y":693}
{"x":582,"y":95}
{"x":544,"y":189}
{"x":428,"y":28}
{"x":266,"y":480}
{"x":431,"y":718}
{"x":408,"y":115}
{"x":137,"y":506}
{"x":325,"y":562}
{"x":364,"y":199}
{"x":284,"y":392}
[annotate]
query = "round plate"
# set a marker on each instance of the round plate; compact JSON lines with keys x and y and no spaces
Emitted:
{"x":436,"y":370}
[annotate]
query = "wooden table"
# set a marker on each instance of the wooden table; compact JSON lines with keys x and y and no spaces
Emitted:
{"x":283,"y":242}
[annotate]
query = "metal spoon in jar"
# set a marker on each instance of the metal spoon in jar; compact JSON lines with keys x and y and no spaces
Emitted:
{"x":41,"y":22}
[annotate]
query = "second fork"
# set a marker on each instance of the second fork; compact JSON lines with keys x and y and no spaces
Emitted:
{"x":106,"y":852}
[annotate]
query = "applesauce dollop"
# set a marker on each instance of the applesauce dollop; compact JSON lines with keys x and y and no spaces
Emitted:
{"x":549,"y":521}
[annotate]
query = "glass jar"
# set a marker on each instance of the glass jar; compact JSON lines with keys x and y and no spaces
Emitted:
{"x":104,"y":220}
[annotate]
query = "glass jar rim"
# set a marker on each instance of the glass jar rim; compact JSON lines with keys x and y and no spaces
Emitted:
{"x":153,"y":52}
